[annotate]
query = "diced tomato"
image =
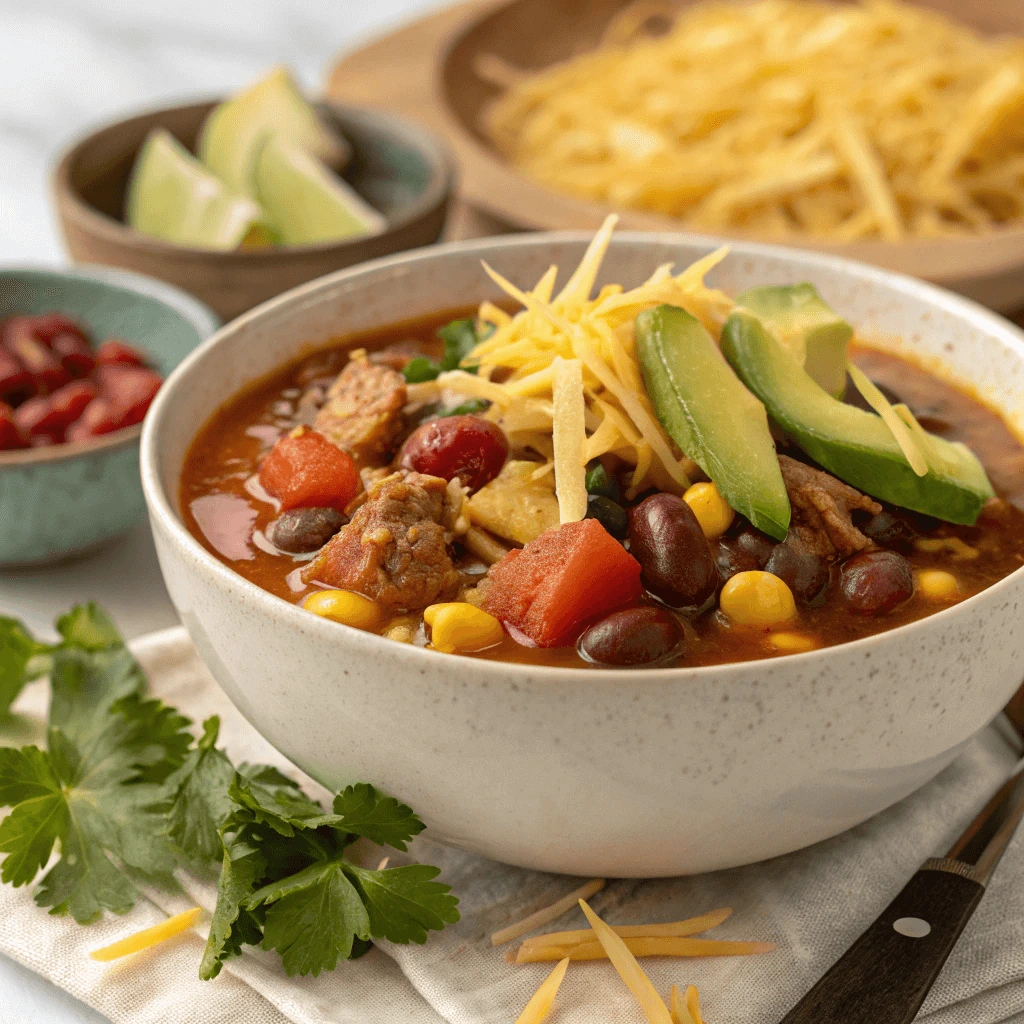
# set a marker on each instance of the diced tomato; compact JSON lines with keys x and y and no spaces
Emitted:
{"x":115,"y":351}
{"x":96,"y":420}
{"x":304,"y":470}
{"x":16,"y":382}
{"x":10,"y":435}
{"x":564,"y":577}
{"x":129,"y":389}
{"x":74,"y":354}
{"x":45,"y":368}
{"x":51,"y":415}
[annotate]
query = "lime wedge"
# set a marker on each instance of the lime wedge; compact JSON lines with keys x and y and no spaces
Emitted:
{"x":172,"y":196}
{"x":235,"y":130}
{"x":307,"y":203}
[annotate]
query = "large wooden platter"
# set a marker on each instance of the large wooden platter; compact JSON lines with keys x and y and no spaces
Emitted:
{"x":428,"y":71}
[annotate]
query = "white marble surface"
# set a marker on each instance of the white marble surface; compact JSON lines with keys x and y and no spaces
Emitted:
{"x":69,"y":64}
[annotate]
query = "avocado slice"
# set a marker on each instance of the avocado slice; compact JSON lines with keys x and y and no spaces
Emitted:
{"x":804,"y":323}
{"x":713,"y":418}
{"x":855,"y":445}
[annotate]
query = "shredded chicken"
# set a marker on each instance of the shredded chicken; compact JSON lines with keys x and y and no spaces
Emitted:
{"x":822,"y":507}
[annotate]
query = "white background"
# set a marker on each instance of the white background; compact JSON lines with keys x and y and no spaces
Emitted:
{"x":66,"y":65}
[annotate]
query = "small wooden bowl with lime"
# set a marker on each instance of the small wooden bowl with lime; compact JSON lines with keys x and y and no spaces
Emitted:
{"x":241,"y":200}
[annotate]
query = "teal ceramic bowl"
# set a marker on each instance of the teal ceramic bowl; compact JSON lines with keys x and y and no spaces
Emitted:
{"x":59,"y":501}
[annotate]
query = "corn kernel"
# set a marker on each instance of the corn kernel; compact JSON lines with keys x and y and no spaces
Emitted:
{"x":757,"y":599}
{"x":791,"y":643}
{"x":937,"y":585}
{"x":345,"y":607}
{"x":711,"y":509}
{"x":459,"y":627}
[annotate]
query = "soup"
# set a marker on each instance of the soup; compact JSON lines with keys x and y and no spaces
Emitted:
{"x":503,"y":486}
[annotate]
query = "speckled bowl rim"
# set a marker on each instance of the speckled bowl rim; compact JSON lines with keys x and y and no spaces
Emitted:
{"x":439,"y":188}
{"x":190,"y":309}
{"x":487,"y":669}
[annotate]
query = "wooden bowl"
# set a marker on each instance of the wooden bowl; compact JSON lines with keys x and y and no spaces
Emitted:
{"x":400,"y":169}
{"x":532,"y":34}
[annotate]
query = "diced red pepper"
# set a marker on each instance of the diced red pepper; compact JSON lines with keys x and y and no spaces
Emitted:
{"x":10,"y":435}
{"x":16,"y":382}
{"x":96,"y":420}
{"x":130,"y":391}
{"x":74,"y":354}
{"x":558,"y":581}
{"x":45,"y":368}
{"x":304,"y":470}
{"x":115,"y":351}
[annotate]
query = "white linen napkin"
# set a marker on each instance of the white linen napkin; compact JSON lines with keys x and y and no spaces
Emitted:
{"x":813,"y":904}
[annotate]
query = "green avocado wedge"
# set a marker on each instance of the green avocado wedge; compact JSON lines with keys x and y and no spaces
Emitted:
{"x":855,"y":445}
{"x":807,"y":326}
{"x":713,"y":418}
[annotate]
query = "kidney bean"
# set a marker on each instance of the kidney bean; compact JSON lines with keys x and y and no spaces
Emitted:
{"x":50,"y":416}
{"x":667,"y":541}
{"x":642,"y":637}
{"x":731,"y":559}
{"x":120,"y":353}
{"x":44,"y":367}
{"x":75,"y":355}
{"x":889,"y":531}
{"x":305,"y":529}
{"x":10,"y":434}
{"x":806,"y":573}
{"x":97,"y":419}
{"x":16,"y":382}
{"x":129,"y":389}
{"x":876,"y":582}
{"x":468,"y":447}
{"x":611,"y":515}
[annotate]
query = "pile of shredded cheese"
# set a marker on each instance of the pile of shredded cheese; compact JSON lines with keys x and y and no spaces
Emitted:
{"x":878,"y":119}
{"x":573,"y":389}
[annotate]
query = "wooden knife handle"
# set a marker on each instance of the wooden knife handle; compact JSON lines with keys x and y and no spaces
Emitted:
{"x":886,"y":974}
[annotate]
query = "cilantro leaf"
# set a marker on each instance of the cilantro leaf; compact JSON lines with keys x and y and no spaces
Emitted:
{"x":271,"y":798}
{"x":404,"y":902}
{"x":89,"y":627}
{"x":313,"y":917}
{"x":27,"y":834}
{"x":197,"y":801}
{"x":381,"y":819}
{"x":420,"y":370}
{"x":242,"y":868}
{"x":22,"y":659}
{"x":459,"y":339}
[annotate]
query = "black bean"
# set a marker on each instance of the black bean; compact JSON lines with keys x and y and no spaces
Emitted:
{"x":804,"y":572}
{"x":642,"y":637}
{"x":889,"y":531}
{"x":667,"y":541}
{"x":305,"y":529}
{"x":876,"y":582}
{"x":609,"y":514}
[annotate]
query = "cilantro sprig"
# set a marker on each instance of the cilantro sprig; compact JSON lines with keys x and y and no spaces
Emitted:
{"x":126,"y":795}
{"x":460,"y":337}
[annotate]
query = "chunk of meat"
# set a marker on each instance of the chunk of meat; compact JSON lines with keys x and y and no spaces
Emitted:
{"x":822,"y":506}
{"x":397,"y":548}
{"x":363,"y":411}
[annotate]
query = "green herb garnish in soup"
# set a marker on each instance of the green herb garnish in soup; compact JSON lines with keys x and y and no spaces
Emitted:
{"x":654,"y":477}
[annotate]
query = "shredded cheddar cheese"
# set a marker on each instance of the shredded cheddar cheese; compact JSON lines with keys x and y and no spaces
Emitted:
{"x":148,"y":936}
{"x":879,"y":119}
{"x":908,"y":443}
{"x":674,"y":929}
{"x":547,"y":914}
{"x":571,"y":388}
{"x":644,"y":946}
{"x":539,"y":1006}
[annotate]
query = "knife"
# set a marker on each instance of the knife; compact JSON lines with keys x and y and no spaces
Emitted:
{"x":886,"y":974}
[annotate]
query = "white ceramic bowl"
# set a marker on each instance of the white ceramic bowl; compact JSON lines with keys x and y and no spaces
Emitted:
{"x":611,"y":773}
